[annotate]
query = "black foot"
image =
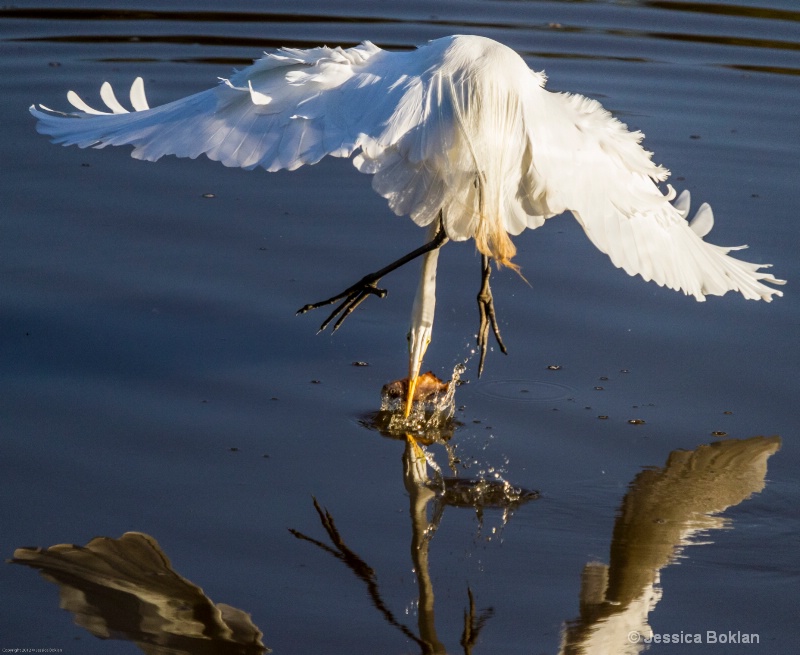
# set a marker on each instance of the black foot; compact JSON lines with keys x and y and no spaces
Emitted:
{"x":353,"y":296}
{"x":486,"y":309}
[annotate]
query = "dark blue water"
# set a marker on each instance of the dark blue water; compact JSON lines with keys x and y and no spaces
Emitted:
{"x":155,"y":378}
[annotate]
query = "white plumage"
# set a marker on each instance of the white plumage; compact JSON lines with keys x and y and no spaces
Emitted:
{"x":460,"y":129}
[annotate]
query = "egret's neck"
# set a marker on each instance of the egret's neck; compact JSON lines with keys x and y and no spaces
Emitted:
{"x":419,"y":333}
{"x":425,"y":300}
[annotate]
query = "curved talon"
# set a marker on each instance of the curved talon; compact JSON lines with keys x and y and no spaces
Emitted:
{"x":365,"y":285}
{"x":351,"y":298}
{"x":349,"y":305}
{"x":487,"y":314}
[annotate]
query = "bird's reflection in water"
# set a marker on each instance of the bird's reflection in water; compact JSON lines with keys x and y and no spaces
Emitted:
{"x":126,"y":589}
{"x":664,"y":509}
{"x":431,"y":423}
{"x":435,"y":491}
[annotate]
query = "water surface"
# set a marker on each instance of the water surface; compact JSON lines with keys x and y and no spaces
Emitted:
{"x":156,"y":380}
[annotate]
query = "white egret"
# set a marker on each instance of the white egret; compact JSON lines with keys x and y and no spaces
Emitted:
{"x":460,"y":135}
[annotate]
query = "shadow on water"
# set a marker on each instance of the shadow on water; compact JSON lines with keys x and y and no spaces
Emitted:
{"x":126,"y":588}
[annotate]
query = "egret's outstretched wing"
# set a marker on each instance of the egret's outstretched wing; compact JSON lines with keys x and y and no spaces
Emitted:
{"x":586,"y":161}
{"x":289,"y":108}
{"x":438,"y":127}
{"x":459,"y":126}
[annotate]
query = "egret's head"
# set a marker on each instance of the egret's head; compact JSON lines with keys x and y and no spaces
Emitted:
{"x":419,"y":336}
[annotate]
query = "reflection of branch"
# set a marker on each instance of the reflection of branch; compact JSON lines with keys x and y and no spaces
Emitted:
{"x":343,"y":553}
{"x":472,"y":624}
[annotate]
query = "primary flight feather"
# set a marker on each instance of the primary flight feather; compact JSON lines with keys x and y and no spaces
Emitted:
{"x":460,"y":134}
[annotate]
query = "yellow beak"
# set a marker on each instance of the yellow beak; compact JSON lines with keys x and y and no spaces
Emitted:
{"x":412,"y":386}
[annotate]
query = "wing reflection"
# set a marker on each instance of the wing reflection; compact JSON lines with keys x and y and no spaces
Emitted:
{"x":661,"y":513}
{"x":126,"y":589}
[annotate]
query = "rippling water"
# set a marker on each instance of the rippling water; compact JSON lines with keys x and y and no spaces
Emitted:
{"x":630,"y":466}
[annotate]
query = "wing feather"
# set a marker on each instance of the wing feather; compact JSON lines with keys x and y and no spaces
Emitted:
{"x":461,"y":126}
{"x":288,"y":109}
{"x":587,"y":162}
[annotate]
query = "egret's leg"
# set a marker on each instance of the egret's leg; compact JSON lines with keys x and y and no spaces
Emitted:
{"x":486,"y":309}
{"x":353,"y":296}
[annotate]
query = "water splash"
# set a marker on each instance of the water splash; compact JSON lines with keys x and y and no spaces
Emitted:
{"x":430,"y":418}
{"x":430,"y":422}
